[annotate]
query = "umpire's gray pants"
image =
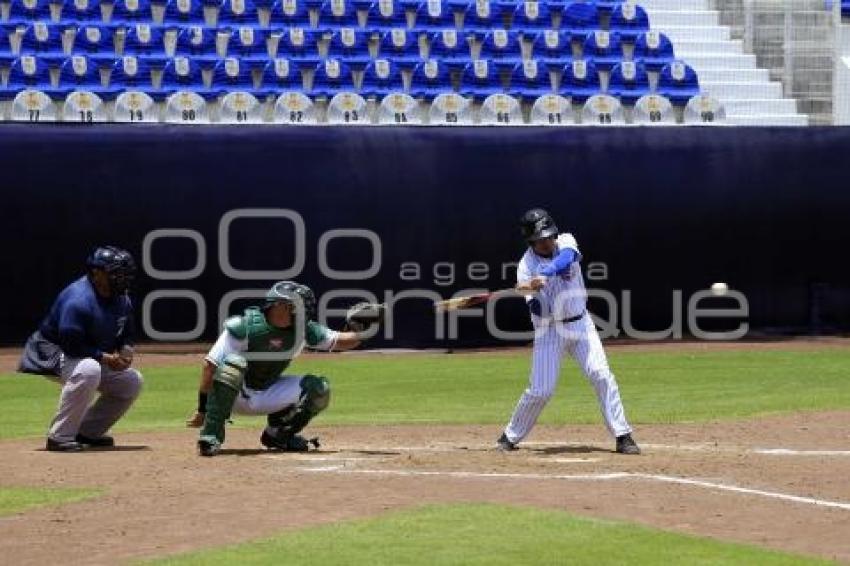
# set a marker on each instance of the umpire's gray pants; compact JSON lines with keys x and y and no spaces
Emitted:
{"x":81,"y":378}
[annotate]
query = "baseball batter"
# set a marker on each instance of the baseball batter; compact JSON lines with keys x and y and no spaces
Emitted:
{"x":243,"y":372}
{"x":551,"y":268}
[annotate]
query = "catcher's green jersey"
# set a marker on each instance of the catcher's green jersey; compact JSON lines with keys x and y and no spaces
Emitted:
{"x":249,"y":332}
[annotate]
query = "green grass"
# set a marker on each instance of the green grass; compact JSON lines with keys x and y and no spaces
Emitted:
{"x":17,"y":499}
{"x":486,"y":535}
{"x":657,"y":387}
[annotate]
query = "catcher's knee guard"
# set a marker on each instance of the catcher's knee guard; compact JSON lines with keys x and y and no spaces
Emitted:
{"x":227,"y":383}
{"x":231,"y":372}
{"x":315,"y":398}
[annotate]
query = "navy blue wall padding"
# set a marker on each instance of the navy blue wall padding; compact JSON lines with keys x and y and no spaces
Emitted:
{"x":765,"y":210}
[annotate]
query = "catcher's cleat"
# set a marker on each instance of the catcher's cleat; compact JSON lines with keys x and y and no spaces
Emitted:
{"x":505,"y":445}
{"x":100,"y":442}
{"x":63,"y":446}
{"x":627,"y":445}
{"x":288,"y":442}
{"x":208,"y":446}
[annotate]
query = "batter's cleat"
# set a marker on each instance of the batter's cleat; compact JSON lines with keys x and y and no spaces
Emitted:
{"x":63,"y":446}
{"x":288,"y":442}
{"x":505,"y":445}
{"x":208,"y":446}
{"x":100,"y":442}
{"x":627,"y":445}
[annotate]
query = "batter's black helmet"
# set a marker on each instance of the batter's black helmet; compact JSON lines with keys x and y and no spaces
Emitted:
{"x":119,"y":265}
{"x":536,"y":224}
{"x":292,"y":292}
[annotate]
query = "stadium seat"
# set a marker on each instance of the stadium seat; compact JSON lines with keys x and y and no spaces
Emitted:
{"x":183,"y":13}
{"x":331,"y":76}
{"x":249,"y":44}
{"x":289,"y":13}
{"x":602,"y":110}
{"x":146,"y":43}
{"x":26,"y":11}
{"x":96,"y":42}
{"x":299,"y":44}
{"x":199,"y":43}
{"x":385,"y":15}
{"x":229,"y":75}
{"x":450,"y":47}
{"x":480,"y":79}
{"x":500,"y":109}
{"x":79,"y":73}
{"x":430,"y":79}
{"x":552,"y":47}
{"x":532,"y":16}
{"x":678,"y":82}
{"x":281,"y":75}
{"x":604,"y":49}
{"x":351,"y":46}
{"x":629,"y":20}
{"x":482,"y":16}
{"x":336,"y":14}
{"x":44,"y":40}
{"x":530,"y":80}
{"x":580,"y":80}
{"x":183,"y":74}
{"x":401,"y":47}
{"x":580,"y":18}
{"x":398,"y":109}
{"x":130,"y":12}
{"x":130,"y":83}
{"x":704,"y":110}
{"x":28,"y":72}
{"x":654,"y":49}
{"x":130,"y":74}
{"x":629,"y":82}
{"x":552,"y":110}
{"x":434,"y":15}
{"x":653,"y":110}
{"x":502,"y":47}
{"x":294,"y":108}
{"x":450,"y":109}
{"x":186,"y":107}
{"x":235,"y":13}
{"x":381,"y":78}
{"x":347,"y":108}
{"x":81,"y":12}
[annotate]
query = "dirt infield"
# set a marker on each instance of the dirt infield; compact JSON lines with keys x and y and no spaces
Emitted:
{"x":780,"y":482}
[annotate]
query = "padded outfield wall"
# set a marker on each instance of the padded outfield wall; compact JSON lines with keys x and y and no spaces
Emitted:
{"x":655,"y":211}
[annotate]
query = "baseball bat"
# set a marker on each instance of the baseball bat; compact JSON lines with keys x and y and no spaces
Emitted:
{"x":477,"y":299}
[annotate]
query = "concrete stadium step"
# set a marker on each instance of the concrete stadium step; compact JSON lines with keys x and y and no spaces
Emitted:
{"x":683,"y":5}
{"x":723,"y":90}
{"x":729,"y":61}
{"x":733,"y":75}
{"x":697,"y":46}
{"x":768,"y":120}
{"x":702,"y":33}
{"x":662,"y":18}
{"x":756,"y":106}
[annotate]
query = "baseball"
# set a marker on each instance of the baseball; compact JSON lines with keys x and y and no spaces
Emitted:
{"x":719,"y":289}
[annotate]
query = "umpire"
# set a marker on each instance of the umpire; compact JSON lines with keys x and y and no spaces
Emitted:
{"x":85,"y":344}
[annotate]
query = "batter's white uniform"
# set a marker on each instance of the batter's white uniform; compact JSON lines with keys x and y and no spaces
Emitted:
{"x":563,"y":297}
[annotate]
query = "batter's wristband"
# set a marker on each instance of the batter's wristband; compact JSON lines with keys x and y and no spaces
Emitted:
{"x":202,"y":402}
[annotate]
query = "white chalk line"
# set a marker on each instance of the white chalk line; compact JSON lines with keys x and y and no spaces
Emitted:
{"x":790,"y":452}
{"x":587,"y":477}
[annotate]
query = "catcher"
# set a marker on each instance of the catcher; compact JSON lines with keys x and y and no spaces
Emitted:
{"x":242,"y":372}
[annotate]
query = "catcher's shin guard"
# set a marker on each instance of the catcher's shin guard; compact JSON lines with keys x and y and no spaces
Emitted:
{"x":227,"y":382}
{"x":315,"y":397}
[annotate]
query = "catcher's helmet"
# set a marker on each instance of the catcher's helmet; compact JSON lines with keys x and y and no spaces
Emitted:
{"x":295,"y":293}
{"x":119,"y":265}
{"x":536,"y":224}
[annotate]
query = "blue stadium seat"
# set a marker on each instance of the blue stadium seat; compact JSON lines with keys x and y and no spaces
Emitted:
{"x":387,"y":14}
{"x":530,"y":80}
{"x":450,"y":47}
{"x":183,"y":13}
{"x":130,"y":73}
{"x":381,"y":78}
{"x":435,"y":15}
{"x":480,"y":79}
{"x":146,"y":43}
{"x":580,"y":80}
{"x":199,"y":43}
{"x":6,"y":55}
{"x":654,"y":49}
{"x":81,"y":12}
{"x":552,"y":47}
{"x":281,"y":75}
{"x":235,"y":13}
{"x":678,"y":82}
{"x":299,"y":44}
{"x":336,"y":14}
{"x":79,"y":73}
{"x":290,"y":13}
{"x":332,"y":76}
{"x":629,"y":20}
{"x":532,"y":16}
{"x":249,"y":44}
{"x":482,"y":16}
{"x":430,"y":78}
{"x":29,"y":10}
{"x":182,"y":73}
{"x":580,"y":18}
{"x":608,"y":5}
{"x":350,"y":45}
{"x":129,"y":12}
{"x":401,"y":46}
{"x":629,"y":81}
{"x":28,"y":72}
{"x":231,"y":75}
{"x":603,"y":48}
{"x":502,"y":47}
{"x":45,"y":40}
{"x":96,"y":42}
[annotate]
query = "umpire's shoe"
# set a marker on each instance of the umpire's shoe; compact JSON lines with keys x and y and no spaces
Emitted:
{"x":505,"y":445}
{"x":287,"y":442}
{"x":100,"y":442}
{"x":627,"y":445}
{"x":64,"y":446}
{"x":208,"y":446}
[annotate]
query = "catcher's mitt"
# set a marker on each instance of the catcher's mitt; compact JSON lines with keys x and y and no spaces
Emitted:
{"x":362,"y":316}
